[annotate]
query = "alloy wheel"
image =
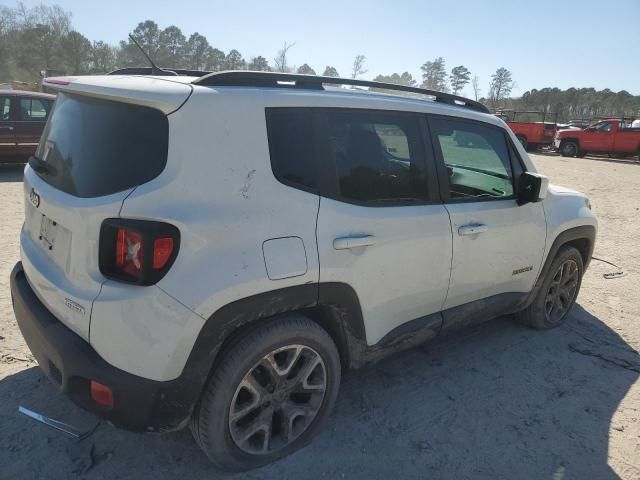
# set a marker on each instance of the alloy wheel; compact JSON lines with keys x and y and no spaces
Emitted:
{"x":277,"y":400}
{"x":562,"y":291}
{"x":570,"y":149}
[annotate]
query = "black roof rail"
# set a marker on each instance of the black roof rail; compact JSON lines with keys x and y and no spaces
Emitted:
{"x":244,"y":78}
{"x":150,"y":71}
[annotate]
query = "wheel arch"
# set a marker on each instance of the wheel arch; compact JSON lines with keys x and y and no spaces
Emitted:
{"x":582,"y":238}
{"x":570,"y":139}
{"x":334,"y":306}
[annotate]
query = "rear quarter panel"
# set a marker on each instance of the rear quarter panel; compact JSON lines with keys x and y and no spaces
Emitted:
{"x":219,"y":190}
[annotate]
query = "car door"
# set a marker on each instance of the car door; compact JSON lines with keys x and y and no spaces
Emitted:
{"x":7,"y":135}
{"x":599,"y":138}
{"x":626,"y":139}
{"x":381,"y":228}
{"x":32,"y":114}
{"x":497,"y":245}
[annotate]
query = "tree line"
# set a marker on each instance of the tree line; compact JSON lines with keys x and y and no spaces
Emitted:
{"x":42,"y":37}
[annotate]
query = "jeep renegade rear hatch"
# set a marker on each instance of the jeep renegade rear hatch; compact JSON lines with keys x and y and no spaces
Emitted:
{"x":105,"y":136}
{"x":93,"y":147}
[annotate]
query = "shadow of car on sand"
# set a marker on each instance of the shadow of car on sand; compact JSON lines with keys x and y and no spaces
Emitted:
{"x":497,"y":401}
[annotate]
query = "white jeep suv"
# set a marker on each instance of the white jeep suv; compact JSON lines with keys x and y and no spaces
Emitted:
{"x":216,"y":250}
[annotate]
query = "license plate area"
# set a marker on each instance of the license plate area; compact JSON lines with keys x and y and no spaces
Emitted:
{"x":48,"y":231}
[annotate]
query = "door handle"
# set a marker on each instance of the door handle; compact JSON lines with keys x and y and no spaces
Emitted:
{"x":6,"y":128}
{"x":472,"y":229}
{"x":347,"y":243}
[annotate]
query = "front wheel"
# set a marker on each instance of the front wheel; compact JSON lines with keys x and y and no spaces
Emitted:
{"x":558,"y":291}
{"x":569,"y":149}
{"x":269,"y":395}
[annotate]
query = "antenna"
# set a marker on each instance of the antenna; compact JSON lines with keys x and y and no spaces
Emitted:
{"x":155,"y":70}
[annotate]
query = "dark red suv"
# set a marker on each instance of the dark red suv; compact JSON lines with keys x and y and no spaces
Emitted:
{"x":22,"y":119}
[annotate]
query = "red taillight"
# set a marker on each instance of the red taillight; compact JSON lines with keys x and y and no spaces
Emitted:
{"x":162,"y":250}
{"x":137,"y":251}
{"x":101,"y":394}
{"x":129,"y":251}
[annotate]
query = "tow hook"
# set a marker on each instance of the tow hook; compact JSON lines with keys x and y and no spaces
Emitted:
{"x":58,"y":425}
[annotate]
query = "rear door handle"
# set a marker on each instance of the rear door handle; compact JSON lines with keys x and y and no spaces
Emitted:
{"x":6,"y":128}
{"x":347,"y":243}
{"x":472,"y":229}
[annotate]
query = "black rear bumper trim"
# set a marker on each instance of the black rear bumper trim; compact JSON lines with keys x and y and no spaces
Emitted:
{"x":69,"y":361}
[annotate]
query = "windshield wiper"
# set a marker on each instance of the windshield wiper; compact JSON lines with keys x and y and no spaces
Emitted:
{"x":40,"y":166}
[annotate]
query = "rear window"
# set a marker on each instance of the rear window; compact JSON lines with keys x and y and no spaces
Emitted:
{"x":99,"y":147}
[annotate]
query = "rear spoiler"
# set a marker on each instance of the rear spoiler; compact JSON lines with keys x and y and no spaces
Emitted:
{"x":166,"y":96}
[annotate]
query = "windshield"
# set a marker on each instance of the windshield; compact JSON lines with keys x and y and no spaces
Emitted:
{"x":93,"y":147}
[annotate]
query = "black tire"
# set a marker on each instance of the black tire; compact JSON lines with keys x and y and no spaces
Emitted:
{"x":531,"y":147}
{"x":523,"y":141}
{"x":569,"y":148}
{"x":537,"y":314}
{"x":246,"y":364}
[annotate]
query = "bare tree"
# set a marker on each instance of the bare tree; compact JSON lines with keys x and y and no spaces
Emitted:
{"x":475,"y":84}
{"x":281,"y":58}
{"x":358,"y":66}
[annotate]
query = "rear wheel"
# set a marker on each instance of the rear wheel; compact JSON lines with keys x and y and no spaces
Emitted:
{"x":569,"y":149}
{"x":523,"y":141}
{"x":557,"y":293}
{"x":270,"y":394}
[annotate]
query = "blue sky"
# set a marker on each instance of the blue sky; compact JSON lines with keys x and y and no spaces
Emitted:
{"x":563,"y":43}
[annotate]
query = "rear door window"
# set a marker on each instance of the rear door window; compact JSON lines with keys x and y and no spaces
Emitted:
{"x":5,"y":109}
{"x":34,"y":109}
{"x":378,"y":157}
{"x":98,"y":147}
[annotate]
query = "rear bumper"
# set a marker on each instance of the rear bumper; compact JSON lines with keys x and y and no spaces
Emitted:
{"x":139,"y":404}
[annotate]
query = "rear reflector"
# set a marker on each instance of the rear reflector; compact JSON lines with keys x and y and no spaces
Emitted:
{"x":101,"y":394}
{"x":162,"y":250}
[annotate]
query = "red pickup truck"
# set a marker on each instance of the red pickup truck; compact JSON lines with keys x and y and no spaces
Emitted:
{"x":618,"y":137}
{"x":532,"y":134}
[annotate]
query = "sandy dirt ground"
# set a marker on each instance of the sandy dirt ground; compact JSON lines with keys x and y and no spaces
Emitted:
{"x":499,"y":401}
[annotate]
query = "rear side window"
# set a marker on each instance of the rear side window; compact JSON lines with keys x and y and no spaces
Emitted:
{"x":291,"y":148}
{"x":476,"y":158}
{"x":5,"y":108}
{"x":378,"y":157}
{"x":98,"y":147}
{"x":34,"y":109}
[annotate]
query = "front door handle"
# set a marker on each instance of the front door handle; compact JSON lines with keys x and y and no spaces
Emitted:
{"x":347,"y":243}
{"x":7,"y":128}
{"x":472,"y":229}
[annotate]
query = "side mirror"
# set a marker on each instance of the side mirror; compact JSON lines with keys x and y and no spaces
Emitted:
{"x":532,"y":187}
